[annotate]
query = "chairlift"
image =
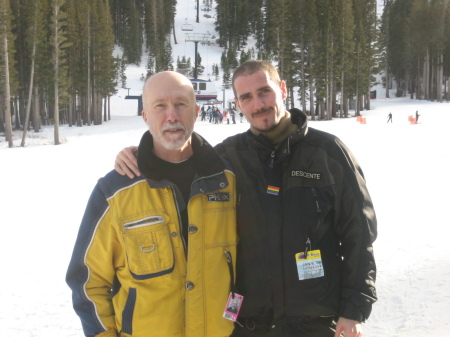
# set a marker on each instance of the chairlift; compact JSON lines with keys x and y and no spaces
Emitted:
{"x":183,"y":68}
{"x":187,"y":27}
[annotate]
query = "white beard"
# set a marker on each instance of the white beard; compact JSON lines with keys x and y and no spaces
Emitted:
{"x":172,"y":142}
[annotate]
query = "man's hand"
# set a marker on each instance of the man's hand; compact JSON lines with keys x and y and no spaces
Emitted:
{"x":348,"y":328}
{"x":126,"y":162}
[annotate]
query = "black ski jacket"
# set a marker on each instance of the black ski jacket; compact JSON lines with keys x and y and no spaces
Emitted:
{"x":322,"y":204}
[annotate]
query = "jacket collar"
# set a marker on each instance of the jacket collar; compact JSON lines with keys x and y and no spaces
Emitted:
{"x":207,"y":163}
{"x":265,"y":146}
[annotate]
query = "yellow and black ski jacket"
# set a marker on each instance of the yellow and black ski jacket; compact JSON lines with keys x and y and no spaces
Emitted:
{"x":131,"y":273}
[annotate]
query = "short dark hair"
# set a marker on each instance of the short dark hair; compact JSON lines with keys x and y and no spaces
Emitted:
{"x":251,"y":67}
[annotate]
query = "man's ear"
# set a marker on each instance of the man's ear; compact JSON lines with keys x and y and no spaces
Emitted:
{"x":144,"y":116}
{"x":237,"y":103}
{"x":197,"y":111}
{"x":283,"y":90}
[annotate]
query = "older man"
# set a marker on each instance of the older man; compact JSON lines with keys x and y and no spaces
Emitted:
{"x":306,"y":222}
{"x":155,"y":255}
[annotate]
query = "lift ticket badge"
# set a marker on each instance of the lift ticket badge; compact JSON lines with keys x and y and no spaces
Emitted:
{"x":233,"y":306}
{"x":309,"y":266}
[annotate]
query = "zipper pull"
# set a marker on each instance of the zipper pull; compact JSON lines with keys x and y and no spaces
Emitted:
{"x":307,"y":248}
{"x":272,"y":159}
{"x":316,"y":199}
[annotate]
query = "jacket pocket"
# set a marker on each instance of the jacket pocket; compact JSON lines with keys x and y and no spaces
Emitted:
{"x":148,"y":247}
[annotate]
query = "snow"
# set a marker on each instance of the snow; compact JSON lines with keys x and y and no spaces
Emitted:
{"x":45,"y":188}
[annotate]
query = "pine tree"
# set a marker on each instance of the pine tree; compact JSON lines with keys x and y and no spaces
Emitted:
{"x":150,"y":66}
{"x":365,"y":19}
{"x":128,"y":20}
{"x":157,"y":31}
{"x":417,"y":39}
{"x":58,"y":44}
{"x":33,"y":38}
{"x":345,"y":50}
{"x":6,"y":37}
{"x":446,"y":57}
{"x":232,"y":59}
{"x":167,"y":55}
{"x":384,"y":36}
{"x":397,"y":49}
{"x":104,"y":70}
{"x":43,"y":68}
{"x":216,"y":72}
{"x":200,"y":67}
{"x":122,"y":74}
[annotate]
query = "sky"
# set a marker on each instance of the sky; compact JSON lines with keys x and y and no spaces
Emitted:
{"x":44,"y":190}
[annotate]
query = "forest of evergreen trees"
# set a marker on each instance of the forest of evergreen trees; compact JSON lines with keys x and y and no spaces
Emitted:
{"x":57,"y":64}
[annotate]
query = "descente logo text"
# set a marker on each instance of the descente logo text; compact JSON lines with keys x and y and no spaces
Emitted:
{"x":307,"y":175}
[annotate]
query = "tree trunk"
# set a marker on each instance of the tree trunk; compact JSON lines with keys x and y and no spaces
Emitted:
{"x":357,"y":111}
{"x":88,"y":91}
{"x":367,"y":105}
{"x":439,"y":79}
{"x":447,"y":89}
{"x":330,"y":99}
{"x":174,"y":35}
{"x":387,"y":83}
{"x":30,"y":95}
{"x":16,"y":113}
{"x":432,"y":80}
{"x":321,"y":112}
{"x":70,"y":108}
{"x":78,"y":111}
{"x":30,"y":90}
{"x":37,"y":111}
{"x":425,"y":77}
{"x":303,"y":79}
{"x":311,"y":99}
{"x":105,"y":117}
{"x":109,"y":107}
{"x":341,"y":108}
{"x":7,"y":93}
{"x":56,"y":37}
{"x":333,"y":100}
{"x":2,"y":128}
{"x":291,"y":89}
{"x":345,"y":103}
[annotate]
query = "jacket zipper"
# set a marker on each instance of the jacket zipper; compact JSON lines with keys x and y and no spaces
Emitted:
{"x":179,"y":219}
{"x":230,"y":267}
{"x":316,"y":234}
{"x":152,"y":220}
{"x":205,"y":177}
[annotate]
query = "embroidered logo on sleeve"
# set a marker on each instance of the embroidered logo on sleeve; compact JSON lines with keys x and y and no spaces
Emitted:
{"x":218,"y":197}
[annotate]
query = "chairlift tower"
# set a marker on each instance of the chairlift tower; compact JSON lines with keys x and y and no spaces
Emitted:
{"x":196,"y":38}
{"x":198,"y":11}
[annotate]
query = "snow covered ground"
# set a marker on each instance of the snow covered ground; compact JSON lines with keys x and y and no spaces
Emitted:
{"x":44,"y":190}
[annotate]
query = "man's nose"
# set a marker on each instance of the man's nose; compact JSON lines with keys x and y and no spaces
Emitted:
{"x":172,"y":114}
{"x":259,"y":102}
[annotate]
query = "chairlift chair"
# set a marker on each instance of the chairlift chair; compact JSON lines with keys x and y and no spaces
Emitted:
{"x":187,"y":27}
